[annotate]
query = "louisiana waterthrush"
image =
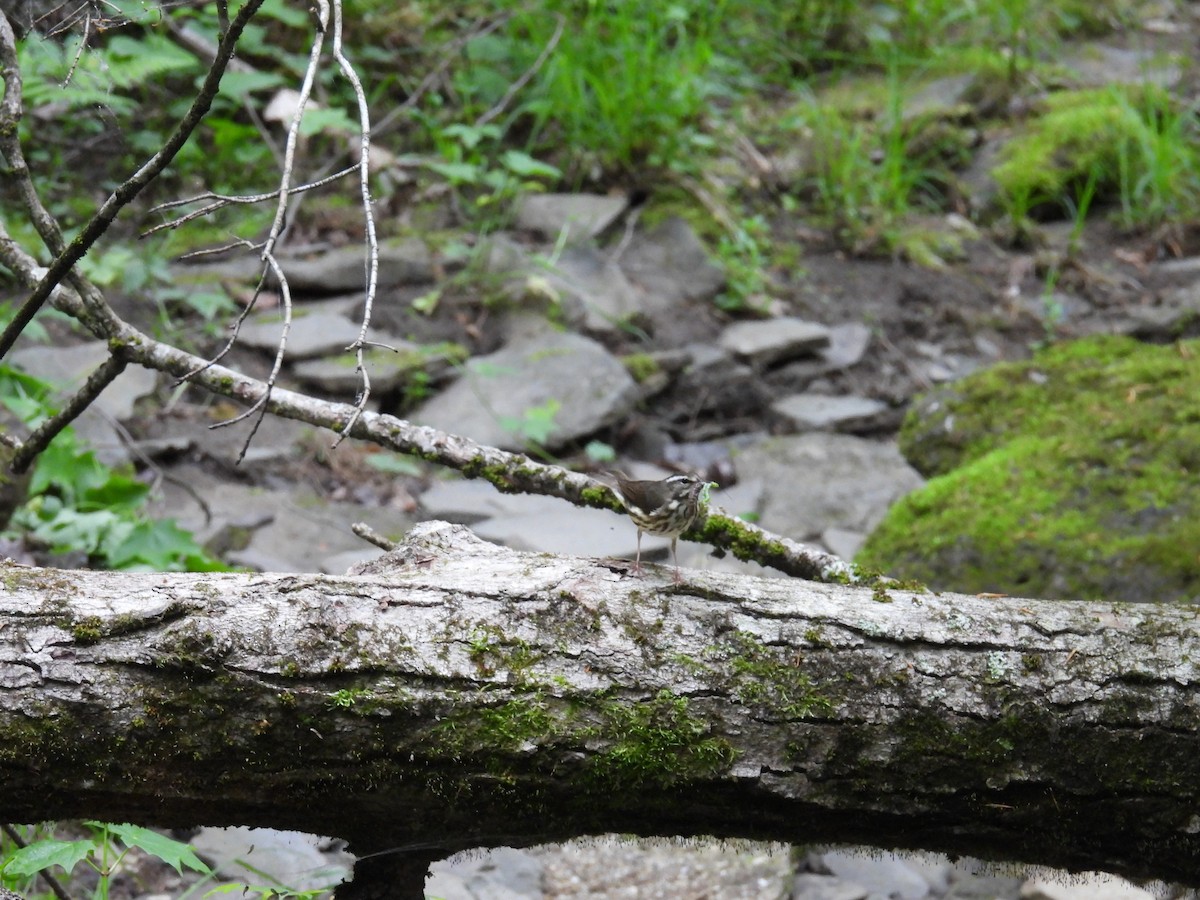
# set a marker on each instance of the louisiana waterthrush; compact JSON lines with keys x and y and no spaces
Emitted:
{"x":667,"y":508}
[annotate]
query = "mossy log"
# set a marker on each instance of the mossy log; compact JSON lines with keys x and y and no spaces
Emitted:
{"x":456,"y":694}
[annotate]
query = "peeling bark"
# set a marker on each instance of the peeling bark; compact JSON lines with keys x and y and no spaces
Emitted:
{"x":457,"y":694}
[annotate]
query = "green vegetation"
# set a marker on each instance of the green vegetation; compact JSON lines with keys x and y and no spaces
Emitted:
{"x":1069,"y":475}
{"x":1134,"y":147}
{"x":78,"y":504}
{"x":105,"y":848}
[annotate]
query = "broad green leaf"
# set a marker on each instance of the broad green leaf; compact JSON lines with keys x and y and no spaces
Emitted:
{"x":42,"y":855}
{"x":172,"y":852}
{"x":527,"y":167}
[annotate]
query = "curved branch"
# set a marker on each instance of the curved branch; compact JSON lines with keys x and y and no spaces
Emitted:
{"x":65,"y":259}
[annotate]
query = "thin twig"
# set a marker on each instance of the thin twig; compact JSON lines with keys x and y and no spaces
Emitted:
{"x":223,"y":200}
{"x":516,"y":86}
{"x":321,"y":11}
{"x":64,"y":261}
{"x":446,"y":56}
{"x":364,"y":184}
{"x":371,"y":536}
{"x":102,"y":377}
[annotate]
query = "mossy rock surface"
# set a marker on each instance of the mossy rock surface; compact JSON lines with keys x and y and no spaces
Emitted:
{"x":1071,"y":475}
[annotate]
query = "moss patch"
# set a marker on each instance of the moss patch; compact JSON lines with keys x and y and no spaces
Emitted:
{"x":1070,"y":475}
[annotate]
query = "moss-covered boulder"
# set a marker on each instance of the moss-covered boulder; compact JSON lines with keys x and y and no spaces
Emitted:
{"x":1072,"y":475}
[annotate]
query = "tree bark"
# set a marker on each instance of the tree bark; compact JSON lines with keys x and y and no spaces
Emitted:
{"x":457,"y":694}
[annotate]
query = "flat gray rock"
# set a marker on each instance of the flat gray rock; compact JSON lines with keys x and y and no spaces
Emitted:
{"x":879,"y":872}
{"x":309,"y":336}
{"x":821,"y":481}
{"x":582,"y":216}
{"x":388,"y":368}
{"x":465,"y":502}
{"x":820,"y":412}
{"x":594,"y":292}
{"x":670,"y":264}
{"x":811,"y":886}
{"x":847,"y":345}
{"x":345,"y":269}
{"x":771,"y":341}
{"x":300,"y":861}
{"x":406,"y":261}
{"x":549,"y":386}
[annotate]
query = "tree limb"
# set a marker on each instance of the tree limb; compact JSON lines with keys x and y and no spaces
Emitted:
{"x":458,"y":694}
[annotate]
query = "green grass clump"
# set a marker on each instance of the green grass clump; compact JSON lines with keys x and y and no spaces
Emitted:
{"x":1131,"y":146}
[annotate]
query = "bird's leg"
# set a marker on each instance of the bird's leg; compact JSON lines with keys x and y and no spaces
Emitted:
{"x":675,"y":556}
{"x":637,"y":563}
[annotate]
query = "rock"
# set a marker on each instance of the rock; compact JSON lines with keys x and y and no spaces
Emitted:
{"x":649,"y":869}
{"x":1058,"y":477}
{"x":811,"y":886}
{"x":406,"y":261}
{"x":389,"y":368}
{"x":842,"y":543}
{"x":1098,"y":65}
{"x":594,"y":293}
{"x":467,"y":501}
{"x":819,"y":481}
{"x":68,"y":368}
{"x":582,"y":216}
{"x":671,"y":265}
{"x":713,"y":384}
{"x":403,"y":262}
{"x":771,"y":341}
{"x":819,"y":412}
{"x":273,"y":531}
{"x":939,"y":97}
{"x":310,"y":336}
{"x":886,"y":874}
{"x":263,"y":855}
{"x":1083,"y":886}
{"x":847,"y":345}
{"x":501,"y":873}
{"x":545,"y":386}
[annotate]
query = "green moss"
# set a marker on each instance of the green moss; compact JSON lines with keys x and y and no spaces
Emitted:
{"x":88,"y":630}
{"x":658,"y":744}
{"x":641,"y":366}
{"x":1068,"y":475}
{"x":1082,"y":136}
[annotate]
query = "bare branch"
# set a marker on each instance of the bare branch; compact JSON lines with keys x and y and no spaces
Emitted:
{"x":223,"y":200}
{"x":516,"y":86}
{"x":65,"y":259}
{"x":101,"y":378}
{"x":364,"y":184}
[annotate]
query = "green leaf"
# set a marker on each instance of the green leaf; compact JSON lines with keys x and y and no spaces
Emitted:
{"x":598,"y":451}
{"x":155,"y":546}
{"x":456,"y":173}
{"x":329,"y":120}
{"x":527,"y":167}
{"x":173,"y":853}
{"x":239,"y":85}
{"x":34,"y":858}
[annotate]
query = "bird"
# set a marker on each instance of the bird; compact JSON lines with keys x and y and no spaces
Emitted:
{"x":668,"y":507}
